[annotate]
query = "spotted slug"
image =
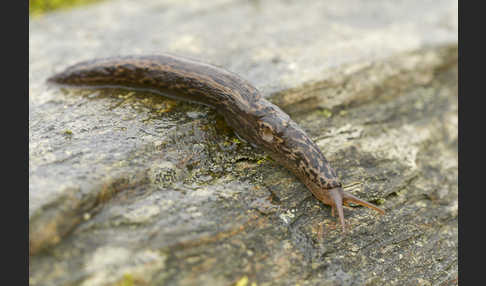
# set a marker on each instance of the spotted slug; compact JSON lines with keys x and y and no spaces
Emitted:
{"x":252,"y":117}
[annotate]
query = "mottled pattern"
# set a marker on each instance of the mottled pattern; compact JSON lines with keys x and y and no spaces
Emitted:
{"x":253,"y":118}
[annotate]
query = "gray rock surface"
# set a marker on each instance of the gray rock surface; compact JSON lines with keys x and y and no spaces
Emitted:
{"x":129,"y":188}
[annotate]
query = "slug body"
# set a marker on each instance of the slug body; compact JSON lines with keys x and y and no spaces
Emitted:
{"x":252,"y":117}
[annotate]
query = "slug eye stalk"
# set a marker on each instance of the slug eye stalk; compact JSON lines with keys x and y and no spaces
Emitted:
{"x":340,"y":198}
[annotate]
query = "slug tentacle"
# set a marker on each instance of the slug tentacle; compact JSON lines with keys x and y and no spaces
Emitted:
{"x":337,"y":198}
{"x":350,"y":198}
{"x":253,"y":118}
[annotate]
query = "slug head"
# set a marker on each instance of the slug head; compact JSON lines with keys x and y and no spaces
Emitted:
{"x":306,"y":160}
{"x":338,"y":197}
{"x":270,"y":128}
{"x":265,"y":125}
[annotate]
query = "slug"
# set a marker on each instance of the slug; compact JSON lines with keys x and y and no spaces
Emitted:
{"x":252,"y":117}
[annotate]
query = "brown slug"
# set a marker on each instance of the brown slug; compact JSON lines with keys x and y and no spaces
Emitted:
{"x":252,"y":117}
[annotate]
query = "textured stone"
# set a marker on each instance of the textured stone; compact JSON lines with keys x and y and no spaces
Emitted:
{"x":129,"y":188}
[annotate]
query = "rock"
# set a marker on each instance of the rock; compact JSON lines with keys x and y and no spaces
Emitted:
{"x":129,"y":188}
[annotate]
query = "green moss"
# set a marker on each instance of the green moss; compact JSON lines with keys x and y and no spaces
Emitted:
{"x":343,"y":112}
{"x":231,"y":142}
{"x":243,"y":281}
{"x":325,"y":112}
{"x":380,"y":201}
{"x":38,"y":7}
{"x":261,"y":161}
{"x":127,"y":280}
